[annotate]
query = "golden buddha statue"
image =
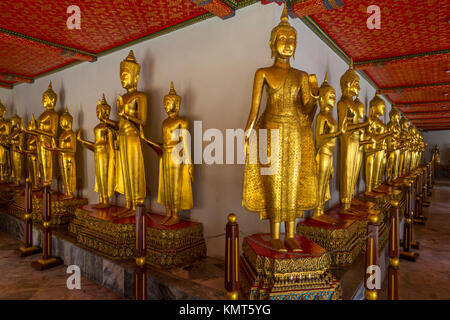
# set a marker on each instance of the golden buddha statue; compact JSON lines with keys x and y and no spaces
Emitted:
{"x":16,"y":140}
{"x":132,"y":112}
{"x":175,"y":170}
{"x":350,"y":140}
{"x":67,"y":150}
{"x":292,"y":95}
{"x":5,"y":129}
{"x":393,"y":145}
{"x":326,"y":133}
{"x":47,"y":128}
{"x":104,"y":155}
{"x":375,"y":153}
{"x":404,"y":140}
{"x":34,"y":173}
{"x":364,"y":139}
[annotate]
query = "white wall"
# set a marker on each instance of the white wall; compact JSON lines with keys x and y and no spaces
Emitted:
{"x":212,"y":64}
{"x":440,"y":138}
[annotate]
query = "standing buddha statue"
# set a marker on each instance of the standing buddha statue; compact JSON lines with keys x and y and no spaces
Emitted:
{"x":47,"y":128}
{"x":34,"y":173}
{"x":393,"y":145}
{"x":350,"y":140}
{"x":104,"y":155}
{"x":291,"y":96}
{"x":132,"y":112}
{"x":67,"y":150}
{"x":375,"y":152}
{"x":16,"y":140}
{"x":175,"y":170}
{"x":326,"y":133}
{"x":5,"y":129}
{"x":404,"y":140}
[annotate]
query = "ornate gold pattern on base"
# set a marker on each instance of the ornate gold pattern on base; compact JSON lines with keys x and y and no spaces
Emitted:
{"x":62,"y":209}
{"x":267,"y":274}
{"x":167,"y":246}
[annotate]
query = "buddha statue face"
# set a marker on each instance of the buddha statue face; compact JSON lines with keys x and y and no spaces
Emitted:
{"x":381,"y":109}
{"x":327,"y":99}
{"x":404,"y":123}
{"x":103,"y":109}
{"x":15,"y":122}
{"x":285,"y":43}
{"x":128,"y":78}
{"x":49,"y":98}
{"x":65,"y":121}
{"x":171,"y":105}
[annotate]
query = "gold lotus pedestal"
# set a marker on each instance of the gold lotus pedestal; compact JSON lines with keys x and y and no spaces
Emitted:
{"x":101,"y":231}
{"x":267,"y":274}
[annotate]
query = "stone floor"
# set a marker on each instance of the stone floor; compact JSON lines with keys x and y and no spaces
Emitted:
{"x":19,"y":281}
{"x":429,"y":277}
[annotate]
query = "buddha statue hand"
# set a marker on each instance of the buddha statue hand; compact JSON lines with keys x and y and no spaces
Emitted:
{"x":191,"y":171}
{"x":314,"y":86}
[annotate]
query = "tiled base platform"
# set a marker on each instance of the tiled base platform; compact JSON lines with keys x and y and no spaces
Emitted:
{"x":200,"y":281}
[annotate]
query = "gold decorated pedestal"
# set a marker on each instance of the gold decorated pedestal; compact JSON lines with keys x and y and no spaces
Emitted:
{"x":342,"y":239}
{"x":62,"y":209}
{"x":167,"y":246}
{"x":8,"y":192}
{"x":267,"y":274}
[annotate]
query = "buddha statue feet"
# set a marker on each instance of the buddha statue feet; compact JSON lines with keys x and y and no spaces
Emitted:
{"x":293,"y":244}
{"x":276,"y":244}
{"x":164,"y":220}
{"x":124,"y":213}
{"x":67,"y":197}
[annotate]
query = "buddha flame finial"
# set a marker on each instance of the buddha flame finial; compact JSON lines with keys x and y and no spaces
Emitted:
{"x":351,"y":63}
{"x":172,"y":89}
{"x":103,"y":99}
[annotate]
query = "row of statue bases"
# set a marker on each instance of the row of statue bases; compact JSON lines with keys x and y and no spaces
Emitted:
{"x":305,"y":167}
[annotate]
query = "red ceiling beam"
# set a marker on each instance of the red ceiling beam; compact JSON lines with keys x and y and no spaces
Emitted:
{"x":434,"y":86}
{"x":429,"y":121}
{"x":310,"y":7}
{"x":433,"y":115}
{"x":217,"y":7}
{"x":6,"y":85}
{"x":441,"y":55}
{"x":437,"y":129}
{"x":60,"y":49}
{"x":424,"y":107}
{"x":13,"y":77}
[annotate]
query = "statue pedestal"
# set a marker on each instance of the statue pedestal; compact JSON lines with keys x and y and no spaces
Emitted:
{"x":8,"y":191}
{"x":167,"y":246}
{"x":270,"y":275}
{"x":342,"y":238}
{"x":62,"y":210}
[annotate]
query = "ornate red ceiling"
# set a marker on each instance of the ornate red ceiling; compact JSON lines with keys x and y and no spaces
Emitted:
{"x":408,"y":58}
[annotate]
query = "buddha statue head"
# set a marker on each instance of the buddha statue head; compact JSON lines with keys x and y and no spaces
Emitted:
{"x":32,"y":125}
{"x":129,"y":72}
{"x":49,"y":98}
{"x":404,"y":123}
{"x":377,"y":106}
{"x":103,"y":109}
{"x":15,"y":122}
{"x":65,"y":121}
{"x":2,"y":111}
{"x":283,"y":38}
{"x":327,"y":96}
{"x":172,"y":102}
{"x":394,"y":115}
{"x":350,"y":82}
